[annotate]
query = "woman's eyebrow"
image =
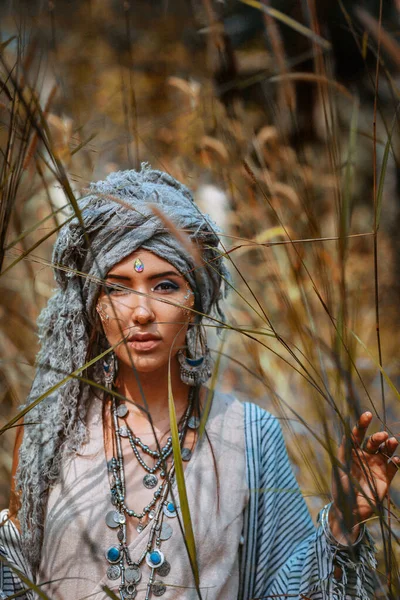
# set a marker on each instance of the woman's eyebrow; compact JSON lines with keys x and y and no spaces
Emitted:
{"x":113,"y":276}
{"x":164,"y":274}
{"x":151,"y":277}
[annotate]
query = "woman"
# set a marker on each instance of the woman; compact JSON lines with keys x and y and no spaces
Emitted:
{"x":99,"y":506}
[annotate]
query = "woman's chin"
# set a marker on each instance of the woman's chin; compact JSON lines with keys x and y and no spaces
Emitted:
{"x":145,"y":364}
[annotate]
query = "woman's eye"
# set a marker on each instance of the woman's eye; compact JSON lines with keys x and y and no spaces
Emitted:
{"x":166,"y":286}
{"x":114,"y":290}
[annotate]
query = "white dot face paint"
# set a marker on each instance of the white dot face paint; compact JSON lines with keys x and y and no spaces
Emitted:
{"x":101,"y":309}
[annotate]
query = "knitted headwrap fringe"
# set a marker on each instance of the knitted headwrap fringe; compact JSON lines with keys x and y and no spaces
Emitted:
{"x":56,"y":427}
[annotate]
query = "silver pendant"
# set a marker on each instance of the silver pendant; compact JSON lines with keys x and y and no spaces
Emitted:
{"x":112,"y":519}
{"x":123,"y":431}
{"x":169,"y":510}
{"x":140,"y":528}
{"x":155,"y":558}
{"x":150,"y":481}
{"x":166,"y":532}
{"x":113,"y":554}
{"x":129,"y":592}
{"x":186,"y":454}
{"x":193,"y":422}
{"x":164,"y":570}
{"x":152,"y":514}
{"x":120,"y":535}
{"x":122,"y":411}
{"x":158,"y":588}
{"x":114,"y":572}
{"x":133,"y":574}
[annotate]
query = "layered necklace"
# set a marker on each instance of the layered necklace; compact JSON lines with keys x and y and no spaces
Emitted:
{"x":156,"y":513}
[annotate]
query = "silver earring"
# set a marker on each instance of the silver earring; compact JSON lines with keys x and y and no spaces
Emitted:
{"x":195,"y":371}
{"x":109,"y":370}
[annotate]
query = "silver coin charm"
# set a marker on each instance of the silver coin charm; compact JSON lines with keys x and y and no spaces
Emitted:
{"x":111,"y":519}
{"x":150,"y":481}
{"x":158,"y":588}
{"x":193,"y":422}
{"x":123,"y":431}
{"x":122,"y":411}
{"x":119,"y":518}
{"x":164,"y":570}
{"x":140,"y":528}
{"x":133,"y":574}
{"x":166,"y":532}
{"x":186,"y":454}
{"x":113,"y":572}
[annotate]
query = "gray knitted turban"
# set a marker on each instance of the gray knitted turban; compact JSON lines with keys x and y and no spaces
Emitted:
{"x":114,"y":230}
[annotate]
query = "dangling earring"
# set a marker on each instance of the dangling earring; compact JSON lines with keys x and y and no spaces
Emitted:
{"x":197,"y":370}
{"x":109,"y":370}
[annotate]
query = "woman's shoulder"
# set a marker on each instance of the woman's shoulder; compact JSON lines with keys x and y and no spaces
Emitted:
{"x":255,"y":415}
{"x":257,"y":421}
{"x":226,"y":413}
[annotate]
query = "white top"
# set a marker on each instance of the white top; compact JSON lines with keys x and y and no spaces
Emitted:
{"x":73,"y":564}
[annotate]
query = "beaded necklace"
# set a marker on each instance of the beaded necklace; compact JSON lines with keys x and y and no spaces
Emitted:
{"x":158,"y":510}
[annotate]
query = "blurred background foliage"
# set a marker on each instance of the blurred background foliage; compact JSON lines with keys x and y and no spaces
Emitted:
{"x":282,"y":117}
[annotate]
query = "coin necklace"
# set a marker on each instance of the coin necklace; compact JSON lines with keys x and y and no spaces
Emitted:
{"x":122,"y":566}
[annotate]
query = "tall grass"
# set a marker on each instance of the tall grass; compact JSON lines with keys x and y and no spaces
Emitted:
{"x":312,"y":321}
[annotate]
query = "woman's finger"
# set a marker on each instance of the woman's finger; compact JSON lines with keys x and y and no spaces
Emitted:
{"x":389,"y":447}
{"x":375,"y":442}
{"x":359,"y":430}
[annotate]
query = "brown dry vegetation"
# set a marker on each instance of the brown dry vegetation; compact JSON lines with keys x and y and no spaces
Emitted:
{"x":120,"y":84}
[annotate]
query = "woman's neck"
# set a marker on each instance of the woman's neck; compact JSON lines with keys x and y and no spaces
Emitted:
{"x":149,"y":391}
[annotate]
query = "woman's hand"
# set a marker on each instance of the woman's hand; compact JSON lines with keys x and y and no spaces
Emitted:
{"x":372,"y":467}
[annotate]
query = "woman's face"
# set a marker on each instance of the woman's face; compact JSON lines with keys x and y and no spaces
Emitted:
{"x":149,"y":325}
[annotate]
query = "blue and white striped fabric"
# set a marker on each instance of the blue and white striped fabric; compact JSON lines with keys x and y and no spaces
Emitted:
{"x":12,"y":561}
{"x":283,"y":555}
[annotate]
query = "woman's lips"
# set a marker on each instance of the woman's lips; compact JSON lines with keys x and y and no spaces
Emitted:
{"x":143,"y":345}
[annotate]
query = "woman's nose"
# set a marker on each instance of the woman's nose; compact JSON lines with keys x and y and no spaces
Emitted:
{"x":142,"y":311}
